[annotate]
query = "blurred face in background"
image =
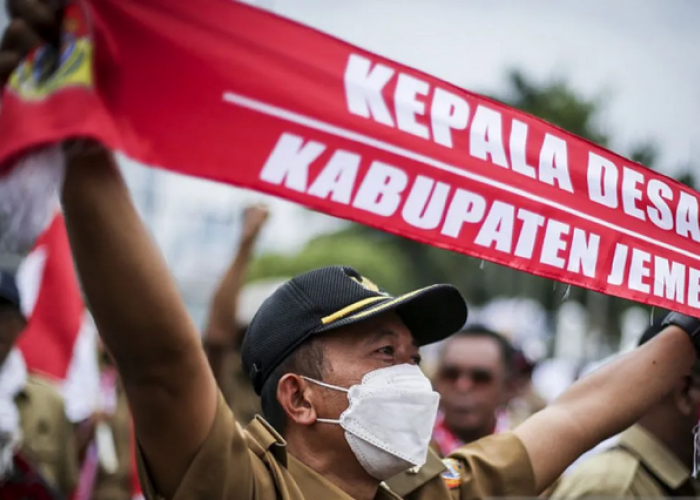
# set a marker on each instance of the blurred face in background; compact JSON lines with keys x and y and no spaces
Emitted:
{"x":472,"y":379}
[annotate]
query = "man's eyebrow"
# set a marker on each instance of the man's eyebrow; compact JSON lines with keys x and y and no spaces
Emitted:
{"x":380,"y":334}
{"x":385,"y":333}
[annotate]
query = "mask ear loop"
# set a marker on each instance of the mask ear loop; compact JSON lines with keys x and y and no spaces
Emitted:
{"x":323,"y":384}
{"x":327,"y":386}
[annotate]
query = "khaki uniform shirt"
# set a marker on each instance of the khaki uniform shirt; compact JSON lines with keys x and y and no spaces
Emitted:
{"x":639,"y":467}
{"x":48,"y":438}
{"x":117,"y":486}
{"x":234,"y":464}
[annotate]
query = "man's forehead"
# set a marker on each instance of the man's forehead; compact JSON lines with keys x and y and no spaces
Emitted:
{"x":467,"y":349}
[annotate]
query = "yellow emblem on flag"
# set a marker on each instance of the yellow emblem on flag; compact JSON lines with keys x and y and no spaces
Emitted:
{"x":33,"y":79}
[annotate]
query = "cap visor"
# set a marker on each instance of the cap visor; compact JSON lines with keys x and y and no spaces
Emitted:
{"x":431,"y":314}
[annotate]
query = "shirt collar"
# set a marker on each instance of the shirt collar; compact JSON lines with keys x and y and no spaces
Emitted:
{"x":314,"y":485}
{"x":655,"y":456}
{"x":267,"y":438}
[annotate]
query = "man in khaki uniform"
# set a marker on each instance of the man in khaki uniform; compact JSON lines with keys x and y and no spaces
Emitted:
{"x":651,"y":459}
{"x":223,"y":335}
{"x":47,"y":438}
{"x":321,"y":334}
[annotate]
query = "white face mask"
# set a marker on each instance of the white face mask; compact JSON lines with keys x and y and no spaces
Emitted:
{"x":389,"y":420}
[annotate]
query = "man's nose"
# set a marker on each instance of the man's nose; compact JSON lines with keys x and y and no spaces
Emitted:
{"x":464,"y":383}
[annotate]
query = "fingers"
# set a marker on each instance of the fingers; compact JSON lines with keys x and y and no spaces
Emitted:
{"x":40,"y":16}
{"x":19,"y":38}
{"x":8,"y":63}
{"x":17,"y":42}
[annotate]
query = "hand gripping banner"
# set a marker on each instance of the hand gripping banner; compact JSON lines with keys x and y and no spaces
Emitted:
{"x":221,"y":90}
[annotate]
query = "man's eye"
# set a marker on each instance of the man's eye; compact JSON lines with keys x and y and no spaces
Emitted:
{"x":388,"y":350}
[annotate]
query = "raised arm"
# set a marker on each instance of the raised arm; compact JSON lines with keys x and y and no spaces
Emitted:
{"x":220,"y":333}
{"x":140,"y":316}
{"x":604,"y":403}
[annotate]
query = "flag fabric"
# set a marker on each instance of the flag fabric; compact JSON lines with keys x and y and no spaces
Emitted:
{"x":52,"y":304}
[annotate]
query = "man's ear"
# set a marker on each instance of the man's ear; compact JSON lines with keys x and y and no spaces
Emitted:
{"x":295,"y":396}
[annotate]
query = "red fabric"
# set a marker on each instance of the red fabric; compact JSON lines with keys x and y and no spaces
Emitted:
{"x":224,"y":91}
{"x":53,"y":326}
{"x":448,"y":441}
{"x":445,"y":439}
{"x":26,"y":483}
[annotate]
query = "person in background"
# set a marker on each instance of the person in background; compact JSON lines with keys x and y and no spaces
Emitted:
{"x":525,"y":400}
{"x":651,"y":459}
{"x":223,"y":335}
{"x":108,"y":470}
{"x":473,"y":378}
{"x":38,"y":443}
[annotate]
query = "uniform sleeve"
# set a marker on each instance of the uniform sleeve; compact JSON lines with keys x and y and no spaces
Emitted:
{"x":495,"y":466}
{"x":223,"y":468}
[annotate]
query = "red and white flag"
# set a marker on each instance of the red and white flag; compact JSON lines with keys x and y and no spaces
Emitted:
{"x":59,"y":343}
{"x":52,"y":304}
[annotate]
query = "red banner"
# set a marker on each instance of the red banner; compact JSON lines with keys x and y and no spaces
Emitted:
{"x":221,"y":90}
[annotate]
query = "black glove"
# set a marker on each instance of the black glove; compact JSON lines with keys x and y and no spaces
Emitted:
{"x":690,"y":325}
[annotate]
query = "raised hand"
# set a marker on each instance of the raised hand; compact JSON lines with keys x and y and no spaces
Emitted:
{"x":32,"y":23}
{"x":254,"y":218}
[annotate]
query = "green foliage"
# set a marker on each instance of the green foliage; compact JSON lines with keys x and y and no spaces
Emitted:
{"x":689,"y":179}
{"x":380,"y":261}
{"x":557,"y":103}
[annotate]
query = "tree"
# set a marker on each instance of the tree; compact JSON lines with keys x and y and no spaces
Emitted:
{"x":557,"y":103}
{"x":379,"y":260}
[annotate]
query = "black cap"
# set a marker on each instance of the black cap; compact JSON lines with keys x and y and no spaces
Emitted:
{"x":326,"y":299}
{"x":8,"y":289}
